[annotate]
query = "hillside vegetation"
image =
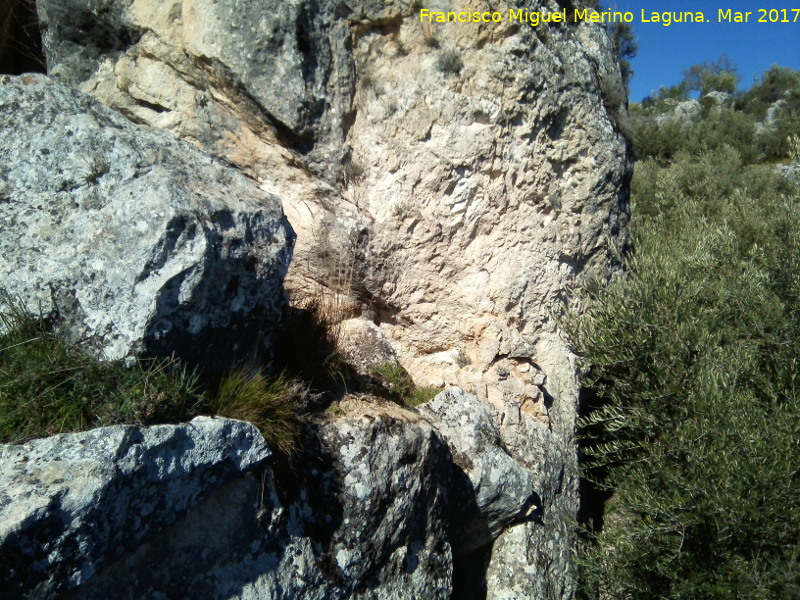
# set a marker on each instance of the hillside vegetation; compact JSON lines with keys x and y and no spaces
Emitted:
{"x":691,"y":429}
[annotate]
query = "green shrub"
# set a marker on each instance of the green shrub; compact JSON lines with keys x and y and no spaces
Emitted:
{"x":723,"y":127}
{"x":49,"y":386}
{"x":651,"y":140}
{"x":691,"y":419}
{"x":793,"y":142}
{"x":773,"y":142}
{"x":777,"y":83}
{"x":396,"y":385}
{"x":271,"y":404}
{"x":675,"y":92}
{"x":449,"y":62}
{"x":693,"y":359}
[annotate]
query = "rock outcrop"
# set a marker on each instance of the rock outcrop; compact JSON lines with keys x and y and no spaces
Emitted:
{"x":454,"y":180}
{"x":684,"y":113}
{"x":72,"y":505}
{"x":374,"y":509}
{"x":134,"y":241}
{"x":499,"y":489}
{"x":460,"y":205}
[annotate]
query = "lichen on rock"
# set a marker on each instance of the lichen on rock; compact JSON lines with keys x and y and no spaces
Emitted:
{"x":133,"y":241}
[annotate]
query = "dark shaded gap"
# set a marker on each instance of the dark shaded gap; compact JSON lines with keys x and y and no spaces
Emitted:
{"x":469,"y":574}
{"x":20,"y":39}
{"x":151,"y":106}
{"x":593,"y":498}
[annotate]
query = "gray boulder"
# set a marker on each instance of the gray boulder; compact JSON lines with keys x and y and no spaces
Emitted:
{"x":72,"y":505}
{"x":773,"y":111}
{"x":364,"y":346}
{"x":391,"y":503}
{"x":791,"y":171}
{"x":135,"y":241}
{"x":377,"y":507}
{"x":721,"y":99}
{"x":684,"y":113}
{"x":495,"y":491}
{"x":193,"y":511}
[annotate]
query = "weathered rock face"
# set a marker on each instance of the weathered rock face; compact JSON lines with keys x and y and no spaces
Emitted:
{"x":137,"y":241}
{"x":364,"y":345}
{"x":457,"y":179}
{"x":71,"y":505}
{"x":373,"y":511}
{"x":685,"y":113}
{"x":500,"y":489}
{"x":467,"y":202}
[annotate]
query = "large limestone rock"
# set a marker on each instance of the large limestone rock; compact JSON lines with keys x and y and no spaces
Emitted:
{"x":74,"y":504}
{"x":534,"y":559}
{"x":683,"y":113}
{"x":464,"y":203}
{"x":500,"y":490}
{"x":136,"y":241}
{"x":456,"y":179}
{"x":374,"y":509}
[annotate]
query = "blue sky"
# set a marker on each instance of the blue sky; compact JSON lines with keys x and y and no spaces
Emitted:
{"x":665,"y":51}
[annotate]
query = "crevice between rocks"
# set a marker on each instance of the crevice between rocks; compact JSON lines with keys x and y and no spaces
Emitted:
{"x":20,"y":39}
{"x":469,"y":574}
{"x":592,"y":499}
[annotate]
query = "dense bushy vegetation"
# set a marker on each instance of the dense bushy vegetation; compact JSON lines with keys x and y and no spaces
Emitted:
{"x":756,"y":123}
{"x":692,"y":433}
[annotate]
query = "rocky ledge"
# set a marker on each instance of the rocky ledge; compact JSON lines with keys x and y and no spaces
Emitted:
{"x":378,"y":506}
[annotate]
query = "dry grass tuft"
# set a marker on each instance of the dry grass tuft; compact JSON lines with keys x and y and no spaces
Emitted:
{"x":271,"y":404}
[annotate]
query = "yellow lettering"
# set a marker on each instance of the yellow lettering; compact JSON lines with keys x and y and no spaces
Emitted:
{"x":733,"y":17}
{"x":515,"y":15}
